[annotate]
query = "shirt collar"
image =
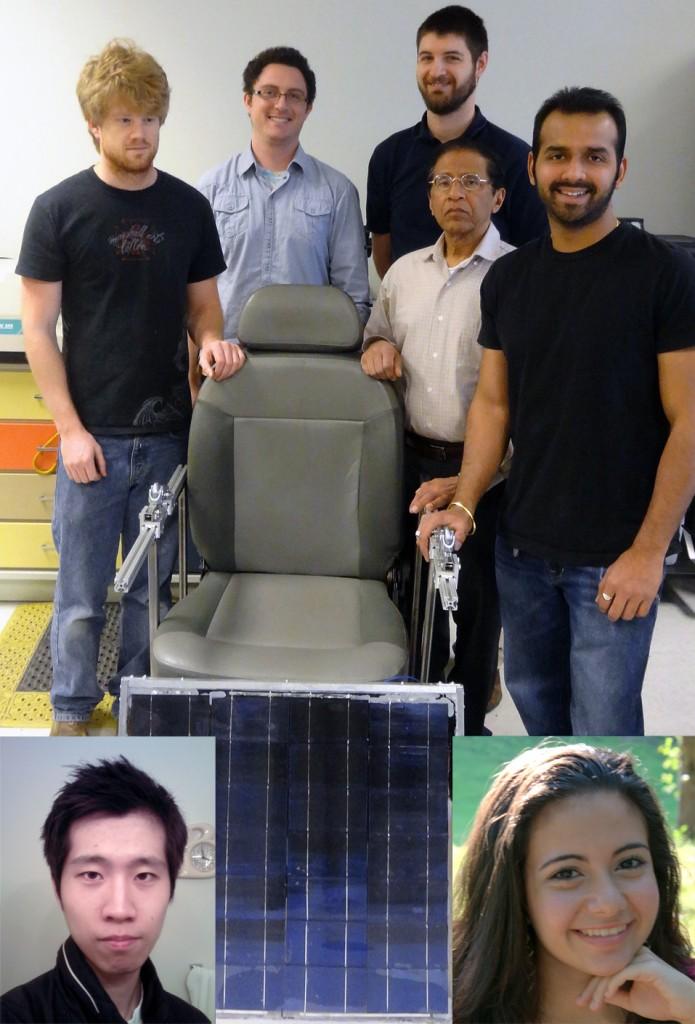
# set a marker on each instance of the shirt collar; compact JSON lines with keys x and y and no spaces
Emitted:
{"x":489,"y":245}
{"x":477,"y":124}
{"x":487,"y":248}
{"x":136,"y":1016}
{"x":247,"y":160}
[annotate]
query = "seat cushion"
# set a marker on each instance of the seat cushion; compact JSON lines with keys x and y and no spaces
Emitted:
{"x":274,"y":627}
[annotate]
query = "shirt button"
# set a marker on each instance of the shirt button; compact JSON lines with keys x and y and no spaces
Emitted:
{"x":429,"y":390}
{"x":434,"y":355}
{"x":440,"y":318}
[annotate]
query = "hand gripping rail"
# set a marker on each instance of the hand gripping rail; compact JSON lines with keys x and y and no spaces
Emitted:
{"x":443,"y":577}
{"x":161,"y":504}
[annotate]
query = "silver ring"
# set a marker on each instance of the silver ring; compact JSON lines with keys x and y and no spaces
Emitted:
{"x":607,"y":597}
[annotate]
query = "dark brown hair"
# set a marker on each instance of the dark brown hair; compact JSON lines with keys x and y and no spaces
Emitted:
{"x":117,"y":788}
{"x":457,"y":21}
{"x":286,"y":55}
{"x":494,"y":944}
{"x":582,"y":100}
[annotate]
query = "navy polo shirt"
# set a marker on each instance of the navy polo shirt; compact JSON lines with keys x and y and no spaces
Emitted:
{"x":397,"y":202}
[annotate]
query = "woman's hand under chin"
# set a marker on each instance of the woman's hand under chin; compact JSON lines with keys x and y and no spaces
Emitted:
{"x":658,"y":992}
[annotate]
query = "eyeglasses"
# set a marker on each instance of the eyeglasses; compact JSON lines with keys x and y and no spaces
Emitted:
{"x":470,"y":182}
{"x":271,"y":94}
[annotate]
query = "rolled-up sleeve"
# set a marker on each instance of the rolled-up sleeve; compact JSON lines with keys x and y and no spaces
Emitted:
{"x":348,"y":251}
{"x":379,"y":323}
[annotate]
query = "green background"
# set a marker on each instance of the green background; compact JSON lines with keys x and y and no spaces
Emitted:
{"x":477,"y":758}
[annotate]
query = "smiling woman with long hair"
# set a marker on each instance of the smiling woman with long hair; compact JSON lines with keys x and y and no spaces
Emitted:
{"x":567,"y":899}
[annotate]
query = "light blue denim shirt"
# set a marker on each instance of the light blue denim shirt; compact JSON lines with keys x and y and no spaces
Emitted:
{"x":307,"y":231}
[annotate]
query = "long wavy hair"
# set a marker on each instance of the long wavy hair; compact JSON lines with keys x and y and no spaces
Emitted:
{"x":494,"y":943}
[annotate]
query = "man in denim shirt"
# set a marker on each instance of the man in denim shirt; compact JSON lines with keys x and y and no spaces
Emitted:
{"x":284,"y":217}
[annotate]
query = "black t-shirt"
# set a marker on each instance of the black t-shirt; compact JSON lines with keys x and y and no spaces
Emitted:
{"x":397,"y":200}
{"x":124,"y":259}
{"x":581,"y":333}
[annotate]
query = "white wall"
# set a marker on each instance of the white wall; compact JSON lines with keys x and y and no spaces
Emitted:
{"x":32,"y":926}
{"x":363,"y":54}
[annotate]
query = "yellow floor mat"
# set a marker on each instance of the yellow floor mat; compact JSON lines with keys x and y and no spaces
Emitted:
{"x":18,"y":641}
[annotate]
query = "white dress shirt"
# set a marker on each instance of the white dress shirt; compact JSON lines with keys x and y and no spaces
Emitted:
{"x":431,"y":313}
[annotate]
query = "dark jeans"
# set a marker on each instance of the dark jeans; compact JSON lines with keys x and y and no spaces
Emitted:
{"x":477,"y":618}
{"x":569,"y":669}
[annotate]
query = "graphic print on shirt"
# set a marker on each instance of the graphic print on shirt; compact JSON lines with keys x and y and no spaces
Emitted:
{"x":133,"y":240}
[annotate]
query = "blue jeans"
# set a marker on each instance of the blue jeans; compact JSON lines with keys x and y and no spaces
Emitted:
{"x":88,"y":521}
{"x":569,"y":669}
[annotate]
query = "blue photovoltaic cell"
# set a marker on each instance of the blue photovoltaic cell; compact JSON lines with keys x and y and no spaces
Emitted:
{"x":332,"y":837}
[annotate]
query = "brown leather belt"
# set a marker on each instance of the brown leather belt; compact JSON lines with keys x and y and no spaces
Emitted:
{"x":442,"y":451}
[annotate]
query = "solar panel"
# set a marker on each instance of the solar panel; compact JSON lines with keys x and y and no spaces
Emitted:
{"x":333,"y":846}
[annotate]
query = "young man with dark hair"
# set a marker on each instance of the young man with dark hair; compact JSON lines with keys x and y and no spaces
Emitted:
{"x":589,"y":366}
{"x":128,"y":255}
{"x":452,"y":54}
{"x":286,"y":55}
{"x":424,"y":327}
{"x":114,"y":841}
{"x":582,"y":101}
{"x":283,"y":216}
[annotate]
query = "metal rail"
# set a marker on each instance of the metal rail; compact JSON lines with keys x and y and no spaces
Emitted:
{"x":442,"y":578}
{"x":153,"y":517}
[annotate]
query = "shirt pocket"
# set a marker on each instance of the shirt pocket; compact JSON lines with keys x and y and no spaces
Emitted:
{"x":231,"y":210}
{"x":313,"y":216}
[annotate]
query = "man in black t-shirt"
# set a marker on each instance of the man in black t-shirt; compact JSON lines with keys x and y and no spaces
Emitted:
{"x":452,"y":53}
{"x":589,"y":366}
{"x":128,"y":255}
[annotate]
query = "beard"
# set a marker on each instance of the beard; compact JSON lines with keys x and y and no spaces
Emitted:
{"x":138,"y":162}
{"x":449,"y":104}
{"x":574,"y":216}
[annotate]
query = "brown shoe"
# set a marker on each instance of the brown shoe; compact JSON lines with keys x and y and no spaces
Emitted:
{"x":496,"y":695}
{"x":68,"y":728}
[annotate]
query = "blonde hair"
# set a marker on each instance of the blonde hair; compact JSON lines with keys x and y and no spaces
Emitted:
{"x":122,"y":69}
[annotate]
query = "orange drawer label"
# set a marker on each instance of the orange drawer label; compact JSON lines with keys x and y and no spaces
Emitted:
{"x":20,"y":442}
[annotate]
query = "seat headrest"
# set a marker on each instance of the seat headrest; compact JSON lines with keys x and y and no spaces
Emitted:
{"x":300,"y":318}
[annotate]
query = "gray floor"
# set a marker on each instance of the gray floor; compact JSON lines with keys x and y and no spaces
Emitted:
{"x":669,"y":686}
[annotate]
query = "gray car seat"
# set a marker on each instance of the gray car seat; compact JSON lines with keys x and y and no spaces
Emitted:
{"x":294,"y":475}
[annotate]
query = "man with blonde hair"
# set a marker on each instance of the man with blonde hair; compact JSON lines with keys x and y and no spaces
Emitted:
{"x":129,"y":256}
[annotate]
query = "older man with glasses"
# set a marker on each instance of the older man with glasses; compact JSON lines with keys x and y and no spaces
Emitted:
{"x":424,"y":328}
{"x":284,"y":217}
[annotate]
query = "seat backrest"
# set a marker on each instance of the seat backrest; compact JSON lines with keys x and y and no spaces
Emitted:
{"x":295,"y":463}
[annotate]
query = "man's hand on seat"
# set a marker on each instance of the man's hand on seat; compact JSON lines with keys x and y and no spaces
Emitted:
{"x":434,"y":494}
{"x":382,"y":360}
{"x":221,"y":359}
